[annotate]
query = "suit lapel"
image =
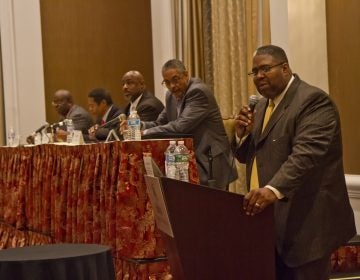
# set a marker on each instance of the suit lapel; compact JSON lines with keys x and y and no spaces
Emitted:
{"x":278,"y":113}
{"x":260,"y":112}
{"x":171,"y":107}
{"x":173,"y":115}
{"x":182,"y":105}
{"x":127,"y":109}
{"x":274,"y":118}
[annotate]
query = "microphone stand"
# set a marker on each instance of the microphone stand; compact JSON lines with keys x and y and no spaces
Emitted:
{"x":115,"y":120}
{"x":211,"y":180}
{"x":44,"y":137}
{"x":112,"y":134}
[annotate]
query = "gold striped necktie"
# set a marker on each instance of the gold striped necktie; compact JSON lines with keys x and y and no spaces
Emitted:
{"x":254,"y":178}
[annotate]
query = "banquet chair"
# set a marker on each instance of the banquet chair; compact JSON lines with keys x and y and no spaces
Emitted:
{"x":229,"y":128}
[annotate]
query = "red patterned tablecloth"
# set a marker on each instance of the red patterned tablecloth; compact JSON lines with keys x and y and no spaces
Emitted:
{"x":83,"y":194}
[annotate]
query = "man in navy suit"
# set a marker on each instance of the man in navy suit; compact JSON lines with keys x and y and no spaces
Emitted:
{"x":101,"y":106}
{"x":294,"y":161}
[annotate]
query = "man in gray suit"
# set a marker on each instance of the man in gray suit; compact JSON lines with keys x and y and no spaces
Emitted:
{"x":191,"y":108}
{"x":65,"y":107}
{"x":294,"y":161}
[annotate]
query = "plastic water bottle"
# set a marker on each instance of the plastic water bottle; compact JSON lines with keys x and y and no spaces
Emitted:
{"x":170,"y":168}
{"x":38,"y":139}
{"x":134,"y":126}
{"x":11,"y":137}
{"x":182,"y":161}
{"x":70,"y":130}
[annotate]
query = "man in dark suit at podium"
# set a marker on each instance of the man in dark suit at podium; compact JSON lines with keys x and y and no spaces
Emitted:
{"x":291,"y":145}
{"x":191,"y":108}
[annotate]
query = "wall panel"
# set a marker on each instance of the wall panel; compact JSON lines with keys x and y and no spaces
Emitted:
{"x":88,"y":44}
{"x":343,"y":30}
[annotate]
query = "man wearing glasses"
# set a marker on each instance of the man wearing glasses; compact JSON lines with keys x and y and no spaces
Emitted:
{"x":65,"y":107}
{"x":191,"y":108}
{"x":291,"y":145}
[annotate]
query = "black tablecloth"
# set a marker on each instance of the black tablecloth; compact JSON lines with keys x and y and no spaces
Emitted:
{"x":57,"y":262}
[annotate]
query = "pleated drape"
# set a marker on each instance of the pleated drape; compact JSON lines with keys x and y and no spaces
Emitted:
{"x":83,"y":194}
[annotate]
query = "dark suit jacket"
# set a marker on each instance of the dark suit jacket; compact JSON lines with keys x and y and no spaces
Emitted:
{"x":102,"y":133}
{"x":199,"y":116}
{"x":300,"y":154}
{"x":148,"y":108}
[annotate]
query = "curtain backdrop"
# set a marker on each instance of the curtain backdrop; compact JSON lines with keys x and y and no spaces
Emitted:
{"x":238,"y":28}
{"x":216,"y":40}
{"x":189,"y":35}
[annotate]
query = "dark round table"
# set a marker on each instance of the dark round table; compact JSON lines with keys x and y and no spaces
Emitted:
{"x":57,"y":262}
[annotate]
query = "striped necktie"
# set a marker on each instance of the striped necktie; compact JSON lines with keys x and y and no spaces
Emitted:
{"x":254,"y":178}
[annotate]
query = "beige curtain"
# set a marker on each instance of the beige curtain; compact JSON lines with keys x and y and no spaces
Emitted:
{"x":236,"y":33}
{"x":216,"y":40}
{"x":2,"y":113}
{"x":189,"y":35}
{"x":238,"y":28}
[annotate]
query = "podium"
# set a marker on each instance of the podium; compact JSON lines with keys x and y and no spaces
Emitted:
{"x":207,"y":234}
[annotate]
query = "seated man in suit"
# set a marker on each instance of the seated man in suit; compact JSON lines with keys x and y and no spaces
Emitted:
{"x":65,"y":107}
{"x":146,"y":104}
{"x":191,"y":108}
{"x":101,"y":106}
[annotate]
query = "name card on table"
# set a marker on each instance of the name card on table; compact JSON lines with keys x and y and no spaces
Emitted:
{"x":157,"y":199}
{"x":77,"y":137}
{"x":151,"y":168}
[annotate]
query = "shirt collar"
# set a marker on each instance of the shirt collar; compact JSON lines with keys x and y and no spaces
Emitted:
{"x":104,"y":118}
{"x":280,"y":97}
{"x":133,"y":104}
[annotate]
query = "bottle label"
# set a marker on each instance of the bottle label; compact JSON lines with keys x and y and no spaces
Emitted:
{"x":134,"y":122}
{"x":170,"y":158}
{"x":181,"y":158}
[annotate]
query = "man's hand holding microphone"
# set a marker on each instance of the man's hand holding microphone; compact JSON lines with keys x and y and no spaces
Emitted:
{"x":256,"y":200}
{"x":244,"y":121}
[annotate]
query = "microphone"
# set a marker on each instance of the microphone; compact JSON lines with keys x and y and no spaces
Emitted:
{"x":46,"y":125}
{"x":61,"y":123}
{"x":253,"y":100}
{"x":211,"y":181}
{"x":31,"y":138}
{"x":120,"y":118}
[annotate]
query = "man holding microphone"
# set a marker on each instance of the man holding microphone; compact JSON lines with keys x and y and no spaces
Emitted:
{"x":291,"y":144}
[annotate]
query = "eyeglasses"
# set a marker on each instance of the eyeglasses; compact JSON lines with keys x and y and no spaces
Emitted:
{"x":264,"y":69}
{"x":173,"y":81}
{"x":57,"y":103}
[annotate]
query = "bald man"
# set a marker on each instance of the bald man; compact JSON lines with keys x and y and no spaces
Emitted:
{"x":65,"y":107}
{"x":146,"y":104}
